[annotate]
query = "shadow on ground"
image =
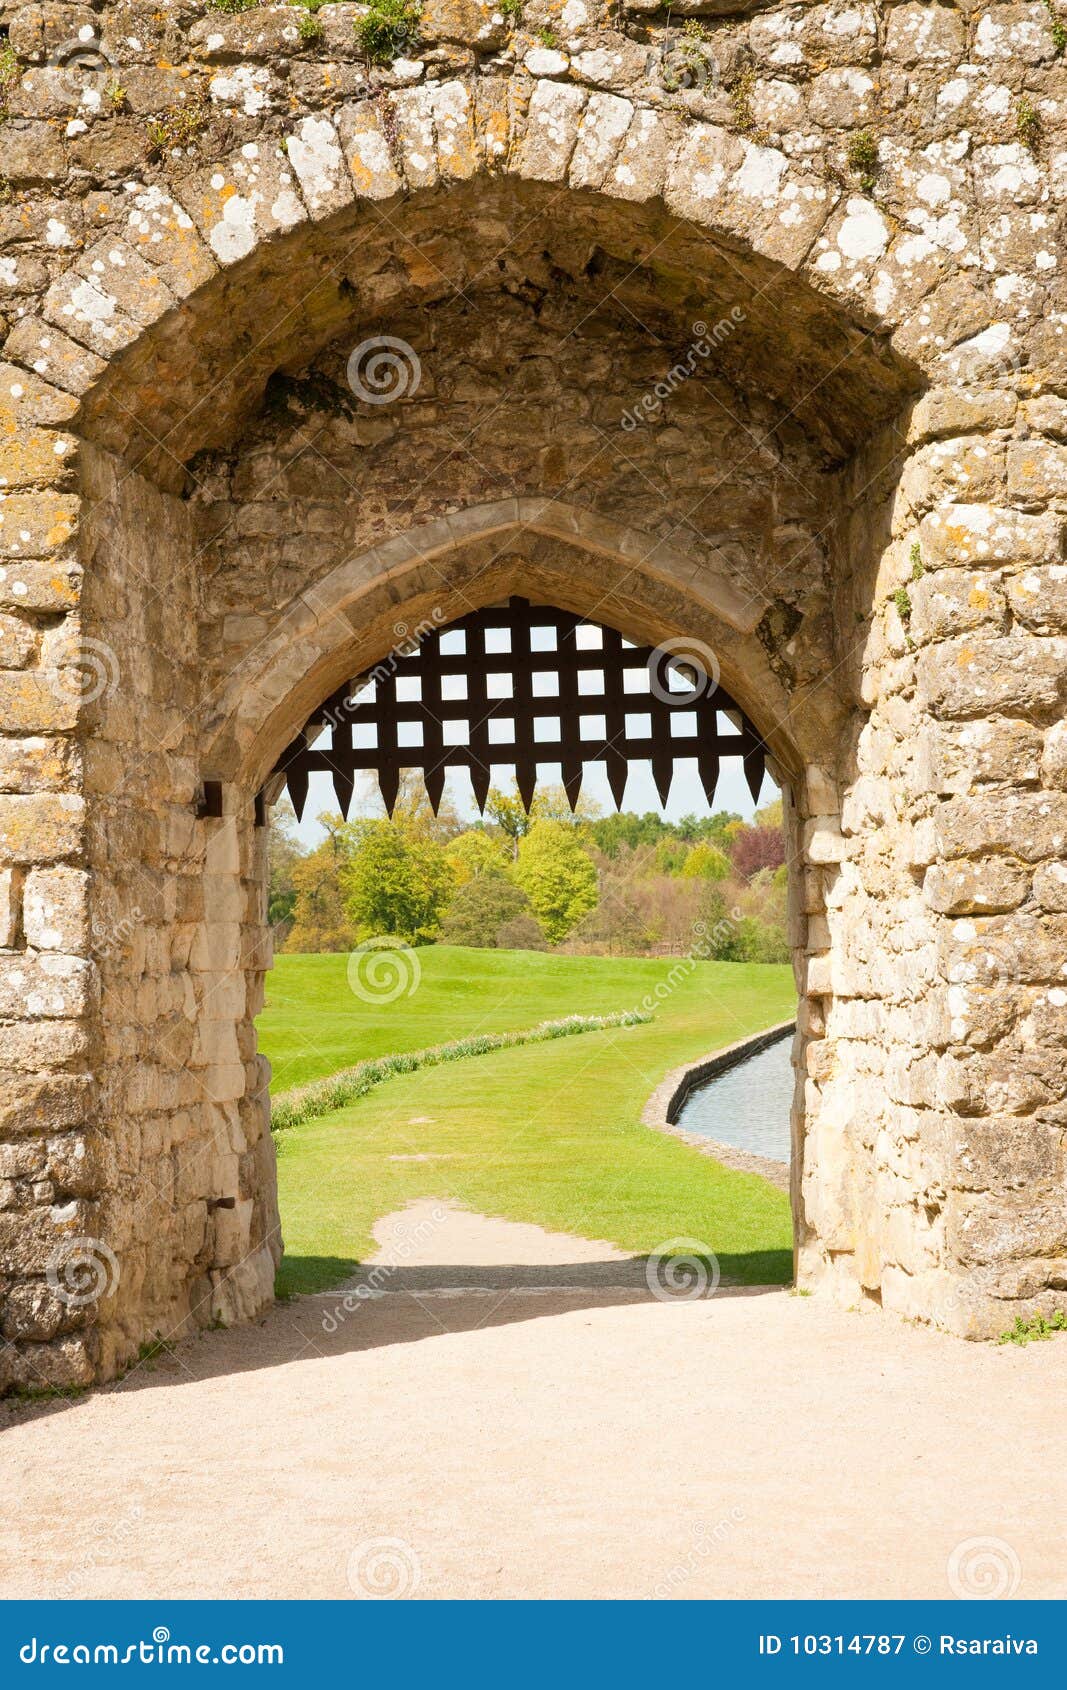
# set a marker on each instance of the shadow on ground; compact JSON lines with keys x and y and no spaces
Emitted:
{"x":382,"y":1305}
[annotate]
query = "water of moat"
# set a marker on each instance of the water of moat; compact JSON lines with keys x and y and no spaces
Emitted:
{"x":748,"y":1106}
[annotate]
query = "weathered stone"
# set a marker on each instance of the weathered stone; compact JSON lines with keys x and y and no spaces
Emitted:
{"x":1030,"y":826}
{"x":1016,"y":675}
{"x":982,"y":534}
{"x":55,"y":909}
{"x":39,"y":827}
{"x":33,"y":525}
{"x":315,"y":153}
{"x":551,"y":131}
{"x":977,"y":888}
{"x":245,"y":199}
{"x":474,"y":23}
{"x":1038,"y":598}
{"x":367,"y":152}
{"x":1037,"y":470}
{"x":732,"y":422}
{"x":954,"y":600}
{"x":1050,"y":886}
{"x":50,"y":986}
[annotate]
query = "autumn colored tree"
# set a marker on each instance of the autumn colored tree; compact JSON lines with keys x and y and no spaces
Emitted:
{"x":320,"y":919}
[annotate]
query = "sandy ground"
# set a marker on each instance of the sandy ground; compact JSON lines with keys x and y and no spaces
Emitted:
{"x":511,"y":1413}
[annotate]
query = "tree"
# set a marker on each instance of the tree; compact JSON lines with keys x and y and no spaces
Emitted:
{"x":284,"y":851}
{"x":757,"y":848}
{"x":522,"y":933}
{"x":722,"y":931}
{"x":394,"y":882}
{"x":557,"y":876}
{"x":550,"y":803}
{"x":626,"y":829}
{"x":509,"y":813}
{"x":706,"y":862}
{"x":481,"y":907}
{"x":477,"y":852}
{"x":320,"y":920}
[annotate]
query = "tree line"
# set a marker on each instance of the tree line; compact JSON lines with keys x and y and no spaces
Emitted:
{"x":621,"y":884}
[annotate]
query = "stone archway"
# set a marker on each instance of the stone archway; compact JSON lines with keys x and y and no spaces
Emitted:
{"x":203,"y":533}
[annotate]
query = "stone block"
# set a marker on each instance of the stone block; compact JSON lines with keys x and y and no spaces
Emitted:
{"x":981,"y":887}
{"x":55,"y":909}
{"x":978,"y":534}
{"x":40,"y":827}
{"x":1019,"y":674}
{"x":1029,"y":826}
{"x":33,"y":986}
{"x":367,"y":152}
{"x":34,"y":526}
{"x":314,"y":150}
{"x":10,"y":907}
{"x":244,"y":199}
{"x":553,"y":118}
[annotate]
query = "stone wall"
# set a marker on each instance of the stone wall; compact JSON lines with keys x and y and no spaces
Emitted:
{"x":854,"y":496}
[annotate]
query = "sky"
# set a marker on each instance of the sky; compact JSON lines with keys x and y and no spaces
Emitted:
{"x":686,"y":797}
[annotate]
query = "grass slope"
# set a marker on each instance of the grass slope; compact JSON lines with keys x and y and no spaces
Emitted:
{"x":545,"y":1133}
{"x":313,"y":1024}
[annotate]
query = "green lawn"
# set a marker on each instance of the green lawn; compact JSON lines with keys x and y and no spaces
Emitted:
{"x":547,"y":1133}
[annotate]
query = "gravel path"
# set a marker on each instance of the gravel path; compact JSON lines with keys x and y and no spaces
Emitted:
{"x":506,"y":1412}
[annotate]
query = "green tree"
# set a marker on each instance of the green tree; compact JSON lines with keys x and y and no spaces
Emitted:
{"x":394,"y":882}
{"x":477,"y":852}
{"x":509,"y":813}
{"x":723,"y":935}
{"x":549,"y":804}
{"x":706,"y":862}
{"x":481,"y":908}
{"x":627,"y":829}
{"x":320,"y":920}
{"x":557,"y":876}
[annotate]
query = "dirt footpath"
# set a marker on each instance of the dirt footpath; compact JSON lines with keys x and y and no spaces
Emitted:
{"x":502,"y":1412}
